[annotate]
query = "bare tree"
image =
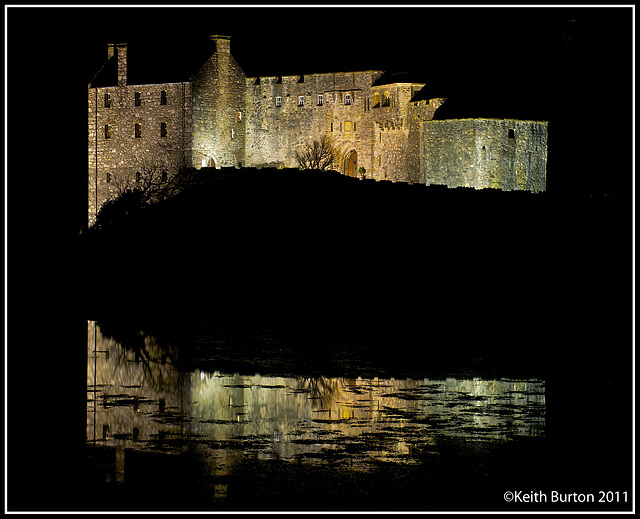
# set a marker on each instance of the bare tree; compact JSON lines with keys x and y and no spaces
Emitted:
{"x":153,"y":176}
{"x":321,"y":154}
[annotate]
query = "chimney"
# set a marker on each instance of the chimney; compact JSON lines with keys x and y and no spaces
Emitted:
{"x":121,"y":51}
{"x":222,"y":43}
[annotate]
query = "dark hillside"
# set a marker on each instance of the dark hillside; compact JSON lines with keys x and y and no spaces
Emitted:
{"x":322,"y":251}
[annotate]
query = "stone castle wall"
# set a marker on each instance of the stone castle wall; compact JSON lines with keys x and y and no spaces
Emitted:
{"x":218,"y":110}
{"x":221,"y":118}
{"x":286,"y":113}
{"x":396,"y":139}
{"x":501,"y":154}
{"x":131,"y":131}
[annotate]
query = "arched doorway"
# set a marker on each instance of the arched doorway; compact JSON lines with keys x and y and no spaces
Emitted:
{"x":208,"y":162}
{"x":351,"y":164}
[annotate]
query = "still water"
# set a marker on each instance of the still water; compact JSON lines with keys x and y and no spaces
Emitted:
{"x":139,"y":401}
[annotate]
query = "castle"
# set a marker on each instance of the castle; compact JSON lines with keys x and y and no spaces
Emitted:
{"x":383,"y":127}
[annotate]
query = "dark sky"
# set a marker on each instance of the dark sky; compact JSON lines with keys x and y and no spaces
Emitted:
{"x":569,"y":66}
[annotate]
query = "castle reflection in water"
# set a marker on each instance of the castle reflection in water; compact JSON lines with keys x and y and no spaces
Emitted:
{"x":138,"y":399}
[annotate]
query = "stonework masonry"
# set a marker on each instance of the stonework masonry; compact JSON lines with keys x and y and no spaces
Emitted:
{"x":222,"y":118}
{"x":485,"y":153}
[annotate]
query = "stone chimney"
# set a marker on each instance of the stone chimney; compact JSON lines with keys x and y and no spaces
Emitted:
{"x":222,"y":43}
{"x":121,"y":51}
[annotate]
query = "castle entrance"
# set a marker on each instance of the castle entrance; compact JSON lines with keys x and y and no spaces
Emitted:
{"x":351,"y":164}
{"x":208,"y":162}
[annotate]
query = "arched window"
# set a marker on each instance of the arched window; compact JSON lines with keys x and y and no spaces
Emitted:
{"x":376,"y":100}
{"x":386,"y":99}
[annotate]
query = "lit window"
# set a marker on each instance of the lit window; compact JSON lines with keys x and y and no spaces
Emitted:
{"x":347,"y":99}
{"x":107,"y":131}
{"x":107,"y":100}
{"x":163,"y":129}
{"x":300,"y":100}
{"x":278,"y":101}
{"x":163,"y":97}
{"x":138,"y":130}
{"x":319,"y":100}
{"x":233,"y":133}
{"x":138,"y":99}
{"x":239,"y":116}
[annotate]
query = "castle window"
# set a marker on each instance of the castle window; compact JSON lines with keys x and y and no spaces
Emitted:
{"x":108,"y":177}
{"x":138,"y":176}
{"x":107,"y":131}
{"x":300,"y":100}
{"x":278,"y":101}
{"x":107,"y":100}
{"x":233,"y":133}
{"x":376,"y":100}
{"x":512,"y":133}
{"x":386,"y":99}
{"x":163,"y":97}
{"x":354,"y":126}
{"x":331,"y":126}
{"x":348,"y":126}
{"x":164,"y":176}
{"x":138,"y":130}
{"x":163,"y":129}
{"x":347,"y":99}
{"x":138,"y":99}
{"x":320,"y":100}
{"x":239,"y":116}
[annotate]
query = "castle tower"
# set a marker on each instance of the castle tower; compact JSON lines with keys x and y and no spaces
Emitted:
{"x":218,"y":105}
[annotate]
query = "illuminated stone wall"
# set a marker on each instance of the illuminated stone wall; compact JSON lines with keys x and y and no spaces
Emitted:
{"x":396,"y":137}
{"x":501,"y":154}
{"x":286,"y":113}
{"x":377,"y":121}
{"x":115,"y":151}
{"x":224,"y":119}
{"x":218,"y":110}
